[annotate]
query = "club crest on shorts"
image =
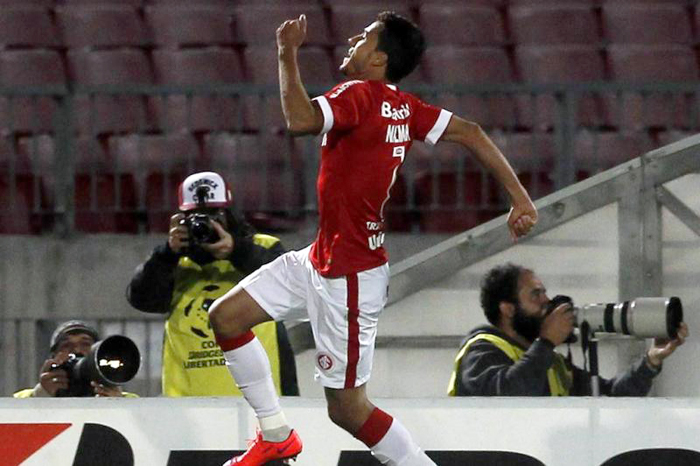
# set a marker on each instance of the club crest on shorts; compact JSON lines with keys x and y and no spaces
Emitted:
{"x":325,"y":362}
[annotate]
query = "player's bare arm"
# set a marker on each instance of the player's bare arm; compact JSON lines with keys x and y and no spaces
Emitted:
{"x":523,"y":214}
{"x":301,"y":115}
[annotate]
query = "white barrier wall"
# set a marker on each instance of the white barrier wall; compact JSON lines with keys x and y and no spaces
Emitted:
{"x":173,"y":432}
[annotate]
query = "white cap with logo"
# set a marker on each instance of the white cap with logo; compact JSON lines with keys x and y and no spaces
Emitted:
{"x":204,"y":189}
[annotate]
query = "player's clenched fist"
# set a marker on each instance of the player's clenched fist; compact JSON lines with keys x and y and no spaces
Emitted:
{"x":291,"y":33}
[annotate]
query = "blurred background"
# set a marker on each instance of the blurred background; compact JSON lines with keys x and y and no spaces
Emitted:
{"x":106,"y":106}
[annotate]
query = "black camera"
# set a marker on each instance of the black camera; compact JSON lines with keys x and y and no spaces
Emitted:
{"x":200,"y":229}
{"x":111,"y":362}
{"x":556,"y":302}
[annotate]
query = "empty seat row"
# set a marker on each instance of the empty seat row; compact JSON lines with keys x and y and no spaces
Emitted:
{"x":103,"y":24}
{"x":120,"y":178}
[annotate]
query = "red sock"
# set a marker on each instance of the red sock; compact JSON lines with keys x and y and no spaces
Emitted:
{"x":375,"y":428}
{"x":228,"y":344}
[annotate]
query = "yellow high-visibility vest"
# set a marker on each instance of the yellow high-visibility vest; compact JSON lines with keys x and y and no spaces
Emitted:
{"x":559,"y":376}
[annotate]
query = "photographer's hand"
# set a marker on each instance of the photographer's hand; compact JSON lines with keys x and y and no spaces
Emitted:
{"x":52,"y":380}
{"x":663,"y":348}
{"x":177,"y":234}
{"x":103,"y":390}
{"x":223,"y":248}
{"x":558,"y":325}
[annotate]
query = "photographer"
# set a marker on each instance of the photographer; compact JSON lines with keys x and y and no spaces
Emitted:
{"x":72,"y":337}
{"x":209,"y":250}
{"x":515,"y":355}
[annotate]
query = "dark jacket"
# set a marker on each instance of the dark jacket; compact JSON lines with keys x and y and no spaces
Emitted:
{"x":485,"y":370}
{"x":151,"y":289}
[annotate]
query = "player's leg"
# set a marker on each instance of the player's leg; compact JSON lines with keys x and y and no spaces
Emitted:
{"x":265,"y":294}
{"x":344,"y":315}
{"x":385,"y":436}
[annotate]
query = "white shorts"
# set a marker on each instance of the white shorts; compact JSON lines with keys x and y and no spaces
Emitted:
{"x":343,"y":312}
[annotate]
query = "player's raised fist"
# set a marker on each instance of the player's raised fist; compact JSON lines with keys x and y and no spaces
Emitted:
{"x":291,"y":33}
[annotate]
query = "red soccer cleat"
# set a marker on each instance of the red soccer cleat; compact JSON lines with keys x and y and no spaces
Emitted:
{"x":261,"y":451}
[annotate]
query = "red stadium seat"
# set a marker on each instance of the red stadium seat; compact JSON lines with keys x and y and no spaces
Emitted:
{"x":262,"y":68}
{"x":17,"y":190}
{"x":471,"y":66}
{"x":642,"y":22}
{"x":533,"y":157}
{"x":158,"y":164}
{"x":477,"y":25}
{"x":559,"y":64}
{"x":351,"y":18}
{"x":111,"y":113}
{"x":553,"y":23}
{"x":599,"y":151}
{"x":27,"y":27}
{"x":91,"y":26}
{"x":652,"y":63}
{"x":199,"y":67}
{"x":452,"y":192}
{"x":36,"y":68}
{"x":264,"y":171}
{"x":188,"y":25}
{"x":257,"y":23}
{"x":104,"y":198}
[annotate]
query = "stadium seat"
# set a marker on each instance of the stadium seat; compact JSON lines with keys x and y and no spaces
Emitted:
{"x":559,"y":64}
{"x":95,"y":26}
{"x":262,"y":69}
{"x":349,"y":19}
{"x":265,"y":171}
{"x":533,"y":156}
{"x":199,"y":67}
{"x":34,"y":68}
{"x":190,"y":25}
{"x":477,"y":25}
{"x":17,"y":191}
{"x":598,"y":151}
{"x":158,"y":164}
{"x":27,"y":27}
{"x":642,"y":22}
{"x":467,"y":66}
{"x":553,"y":23}
{"x":452,"y":192}
{"x":257,"y":23}
{"x":104,"y":198}
{"x":101,"y":113}
{"x":652,"y":63}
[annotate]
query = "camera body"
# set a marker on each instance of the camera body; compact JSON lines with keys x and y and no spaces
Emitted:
{"x":111,"y":362}
{"x":657,"y":317}
{"x":200,"y":229}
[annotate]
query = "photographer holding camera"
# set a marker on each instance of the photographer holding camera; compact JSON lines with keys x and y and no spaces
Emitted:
{"x":72,"y":337}
{"x":514,"y":356}
{"x":209,"y":250}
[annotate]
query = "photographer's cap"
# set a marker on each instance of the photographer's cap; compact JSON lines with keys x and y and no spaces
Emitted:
{"x":68,"y":328}
{"x":204,"y":189}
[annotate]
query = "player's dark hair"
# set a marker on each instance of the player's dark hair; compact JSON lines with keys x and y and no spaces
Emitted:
{"x":403,"y":43}
{"x":499,"y":284}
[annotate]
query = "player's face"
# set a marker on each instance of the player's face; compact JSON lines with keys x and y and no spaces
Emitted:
{"x":532,"y":295}
{"x":363,"y":49}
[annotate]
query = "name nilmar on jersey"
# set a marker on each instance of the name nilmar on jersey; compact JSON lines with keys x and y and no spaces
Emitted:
{"x":396,"y":133}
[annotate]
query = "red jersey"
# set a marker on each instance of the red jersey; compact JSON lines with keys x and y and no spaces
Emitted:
{"x":368,"y":128}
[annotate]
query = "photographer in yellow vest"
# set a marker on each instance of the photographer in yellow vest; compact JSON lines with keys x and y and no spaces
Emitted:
{"x":209,"y":250}
{"x":514,"y":356}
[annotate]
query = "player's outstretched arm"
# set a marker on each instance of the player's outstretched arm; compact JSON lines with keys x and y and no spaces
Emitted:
{"x":300,"y":114}
{"x":523,"y":214}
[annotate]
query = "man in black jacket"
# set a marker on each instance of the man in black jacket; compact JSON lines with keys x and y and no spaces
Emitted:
{"x":209,"y":250}
{"x":514,"y":356}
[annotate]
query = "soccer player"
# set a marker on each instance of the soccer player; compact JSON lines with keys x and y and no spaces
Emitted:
{"x":340,"y":281}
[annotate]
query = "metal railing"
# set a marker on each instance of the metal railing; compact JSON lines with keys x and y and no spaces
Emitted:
{"x":66,"y":172}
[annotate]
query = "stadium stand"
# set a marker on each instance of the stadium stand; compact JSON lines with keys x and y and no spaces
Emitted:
{"x":477,"y":25}
{"x":190,"y":25}
{"x":101,"y":26}
{"x":256,"y":23}
{"x":27,"y":26}
{"x":643,"y":22}
{"x":553,"y":23}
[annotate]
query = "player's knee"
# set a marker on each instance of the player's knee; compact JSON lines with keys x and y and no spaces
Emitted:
{"x":339,"y":414}
{"x":222,"y":318}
